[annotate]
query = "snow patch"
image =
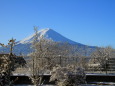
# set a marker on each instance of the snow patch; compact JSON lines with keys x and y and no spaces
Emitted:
{"x":49,"y":34}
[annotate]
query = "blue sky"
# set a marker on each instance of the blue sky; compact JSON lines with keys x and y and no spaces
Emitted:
{"x":90,"y":22}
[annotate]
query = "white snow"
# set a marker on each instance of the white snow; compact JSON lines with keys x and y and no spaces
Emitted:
{"x":26,"y":40}
{"x":30,"y":38}
{"x":47,"y":33}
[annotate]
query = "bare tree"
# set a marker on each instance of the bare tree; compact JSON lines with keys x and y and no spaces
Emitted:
{"x":46,"y":55}
{"x":101,"y":56}
{"x":40,"y":57}
{"x":68,"y":76}
{"x":7,"y":62}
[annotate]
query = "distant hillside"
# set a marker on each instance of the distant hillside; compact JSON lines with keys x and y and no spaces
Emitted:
{"x":24,"y":46}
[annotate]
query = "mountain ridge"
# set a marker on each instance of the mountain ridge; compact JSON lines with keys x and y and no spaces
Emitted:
{"x":24,"y":45}
{"x":49,"y":34}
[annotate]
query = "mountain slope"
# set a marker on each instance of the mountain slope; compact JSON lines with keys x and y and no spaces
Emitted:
{"x":49,"y":34}
{"x":24,"y":46}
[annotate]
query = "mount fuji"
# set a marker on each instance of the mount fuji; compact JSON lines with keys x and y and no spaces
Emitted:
{"x":49,"y":34}
{"x":24,"y":45}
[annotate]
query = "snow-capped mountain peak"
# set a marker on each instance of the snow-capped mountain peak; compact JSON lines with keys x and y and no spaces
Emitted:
{"x":24,"y":45}
{"x":49,"y":34}
{"x":29,"y":39}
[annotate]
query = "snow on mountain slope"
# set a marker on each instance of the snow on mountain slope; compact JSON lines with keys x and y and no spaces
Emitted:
{"x":30,"y":38}
{"x":49,"y":34}
{"x":24,"y":46}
